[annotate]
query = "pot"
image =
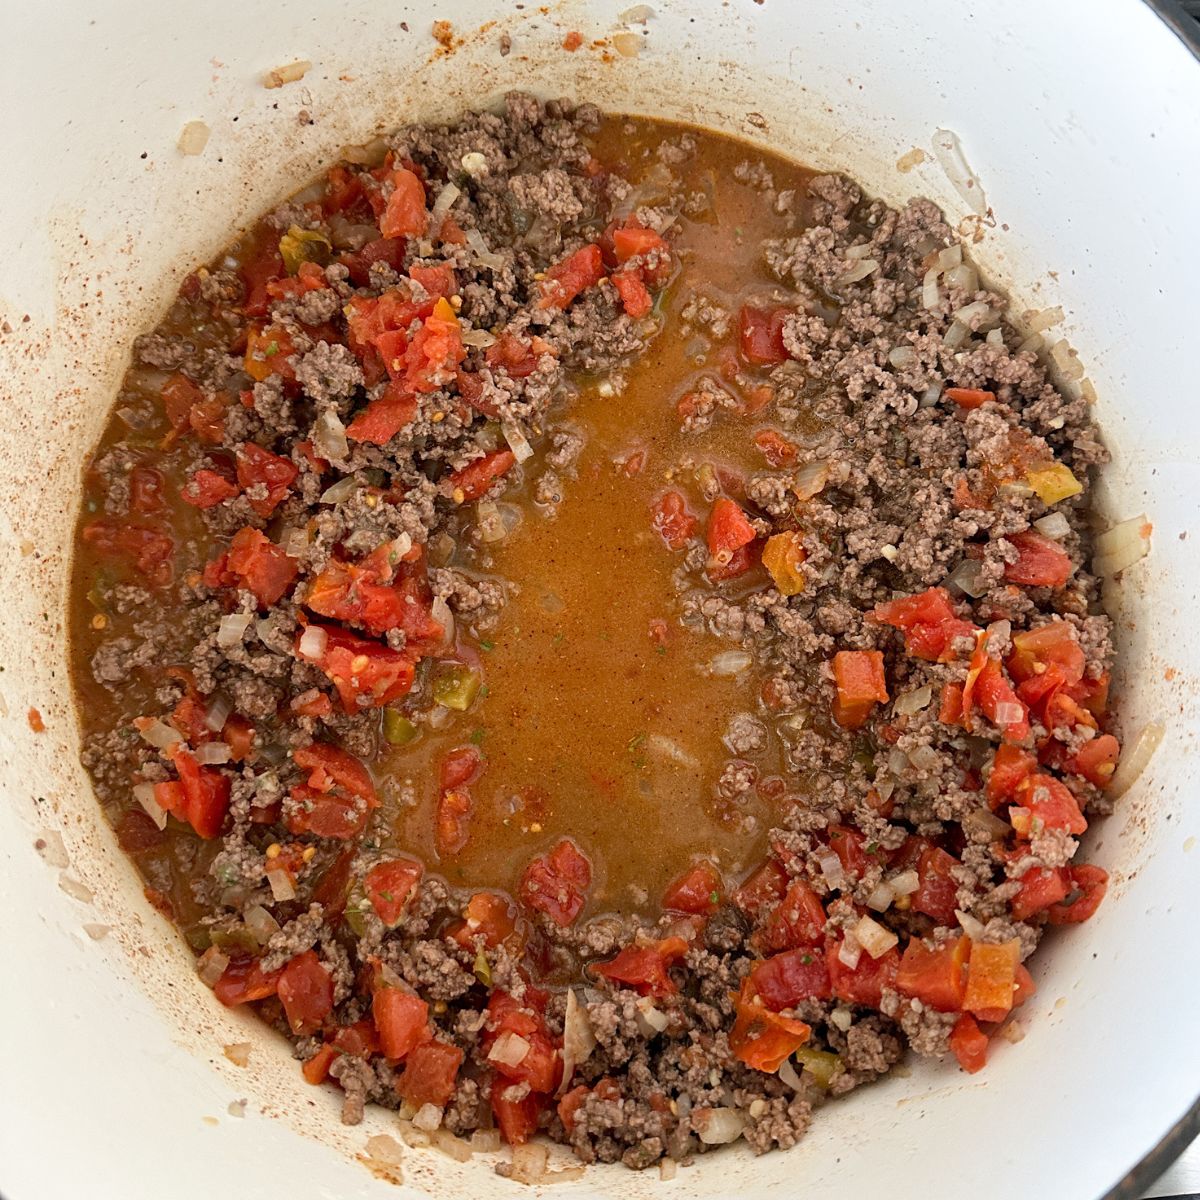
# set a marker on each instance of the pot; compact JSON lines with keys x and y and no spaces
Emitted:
{"x":1082,"y":128}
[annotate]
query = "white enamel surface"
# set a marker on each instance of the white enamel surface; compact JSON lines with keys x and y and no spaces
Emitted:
{"x":1082,"y":125}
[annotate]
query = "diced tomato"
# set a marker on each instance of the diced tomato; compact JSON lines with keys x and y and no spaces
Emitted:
{"x":244,"y":981}
{"x":487,"y":915}
{"x":476,"y":478}
{"x":338,"y":797}
{"x":255,"y":563}
{"x":1041,"y":887}
{"x":784,"y":980}
{"x":306,"y":989}
{"x":950,"y":710}
{"x":570,"y":1104}
{"x":1054,"y":643}
{"x":861,"y":684}
{"x":1088,"y":885}
{"x":360,"y":1039}
{"x":672,"y":521}
{"x":179,"y":394}
{"x":1052,"y":802}
{"x":760,"y":334}
{"x":405,"y":215}
{"x":541,"y":1066}
{"x":256,"y":272}
{"x":430,"y":1074}
{"x":517,"y":1120}
{"x":775,"y":448}
{"x":432,"y":356}
{"x":206,"y":489}
{"x":645,"y":968}
{"x":402,"y":1019}
{"x":343,"y":189}
{"x":389,"y":885}
{"x":763,"y":1039}
{"x":742,"y":560}
{"x":148,"y":549}
{"x":698,"y":890}
{"x":1041,"y":561}
{"x":765,"y":887}
{"x":389,"y":251}
{"x":453,"y":821}
{"x":991,"y":979}
{"x":798,"y":920}
{"x":929,"y":624}
{"x":999,"y":703}
{"x":256,"y":466}
{"x":1011,"y":766}
{"x":864,"y":983}
{"x":1096,"y":760}
{"x":576,"y":273}
{"x":937,"y":894}
{"x":200,"y":797}
{"x":729,"y":529}
{"x":269,"y":352}
{"x":360,"y":669}
{"x":556,"y":883}
{"x":370,"y":594}
{"x":316,"y":1069}
{"x":146,"y":490}
{"x":633,"y":241}
{"x":969,"y":1044}
{"x":848,"y":845}
{"x":935,"y":977}
{"x":969,"y":397}
{"x":460,"y":767}
{"x":512,"y":354}
{"x":238,"y":735}
{"x":635,"y":297}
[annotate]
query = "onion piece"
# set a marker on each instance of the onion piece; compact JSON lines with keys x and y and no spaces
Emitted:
{"x":881,"y":897}
{"x":335,"y":493}
{"x":970,"y":925}
{"x":873,"y":937}
{"x":1054,"y":525}
{"x":668,"y":1168}
{"x":930,"y":396}
{"x":490,"y":523}
{"x":902,"y":356}
{"x":627,"y":44}
{"x":210,"y":966}
{"x":193,"y":137}
{"x":1067,"y":360}
{"x":231,"y":629}
{"x":967,"y":577}
{"x":931,"y":295}
{"x":483,"y":256}
{"x":639,"y":14}
{"x":329,"y":436}
{"x":1118,"y":548}
{"x":428,"y":1117}
{"x":982,"y":823}
{"x":263,"y":927}
{"x":912,"y":702}
{"x":529,"y":1163}
{"x":831,"y":867}
{"x":1134,"y":758}
{"x":212,"y":754}
{"x":810,"y":479}
{"x":283,"y":886}
{"x":955,"y":335}
{"x":445,"y":1142}
{"x":158,"y":733}
{"x":579,"y":1040}
{"x":718,"y":1126}
{"x":860,"y":270}
{"x":509,"y":1050}
{"x":948,"y":151}
{"x":963,"y":277}
{"x":841,"y":1018}
{"x":949,"y":257}
{"x":729,"y":662}
{"x":143,"y":793}
{"x":518,"y":443}
{"x":671,"y":750}
{"x":788,"y":1074}
{"x":850,"y":951}
{"x":974,"y":314}
{"x":485,"y":1141}
{"x":479,"y":338}
{"x":442,"y":204}
{"x":218,"y":712}
{"x":1009,"y":713}
{"x":924,"y":758}
{"x":905,"y":883}
{"x":313,"y":641}
{"x":651,"y":1020}
{"x":444,"y":616}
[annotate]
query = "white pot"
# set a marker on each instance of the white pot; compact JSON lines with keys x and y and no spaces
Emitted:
{"x":1081,"y":119}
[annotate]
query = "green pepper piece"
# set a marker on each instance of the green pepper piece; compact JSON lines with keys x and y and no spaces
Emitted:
{"x":821,"y":1064}
{"x":398,"y":730}
{"x":303,"y":245}
{"x":356,"y":916}
{"x":483,"y":969}
{"x":234,"y":937}
{"x":456,"y":685}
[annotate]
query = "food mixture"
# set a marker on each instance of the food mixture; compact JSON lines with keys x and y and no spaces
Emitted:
{"x":586,"y":626}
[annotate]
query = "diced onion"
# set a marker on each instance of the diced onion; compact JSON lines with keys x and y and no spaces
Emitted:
{"x":873,"y":937}
{"x":1066,"y":360}
{"x":905,"y":883}
{"x":1053,"y":525}
{"x":483,"y":256}
{"x":491,"y":524}
{"x":263,"y":927}
{"x":983,"y":823}
{"x":193,"y":137}
{"x":639,"y":14}
{"x":143,"y":793}
{"x":475,"y":163}
{"x":831,"y":867}
{"x":211,"y":754}
{"x":211,"y":966}
{"x":479,"y":338}
{"x":313,"y":642}
{"x":850,"y":951}
{"x":860,"y":270}
{"x":881,"y":897}
{"x":1038,"y":322}
{"x":995,"y":337}
{"x":930,"y":396}
{"x":970,"y":925}
{"x":289,"y":73}
{"x":442,"y":204}
{"x":924,"y":758}
{"x":485,"y":1141}
{"x":650,"y":1019}
{"x":283,"y":887}
{"x":342,"y":490}
{"x":218,"y":713}
{"x":897,"y":762}
{"x":428,"y":1117}
{"x":788,"y":1074}
{"x":231,"y":629}
{"x":729,"y":662}
{"x":912,"y":702}
{"x":974,"y":314}
{"x":439,"y":716}
{"x":627,"y":44}
{"x":967,"y":577}
{"x":1120,"y":547}
{"x":329,"y":436}
{"x":1032,"y":344}
{"x":964,"y":277}
{"x":1016,"y":490}
{"x":509,"y":1050}
{"x":668,"y":1168}
{"x":529,"y":1163}
{"x":841,"y":1018}
{"x":1134,"y":758}
{"x":948,"y":151}
{"x":931,"y":295}
{"x":956,"y":335}
{"x":718,"y":1126}
{"x":811,"y":478}
{"x":444,"y":616}
{"x":949,"y":257}
{"x":902,"y":356}
{"x":1009,"y":713}
{"x":294,"y":542}
{"x":158,"y":733}
{"x":579,"y":1040}
{"x":670,"y":749}
{"x":445,"y":1142}
{"x":862,"y":250}
{"x":518,"y":443}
